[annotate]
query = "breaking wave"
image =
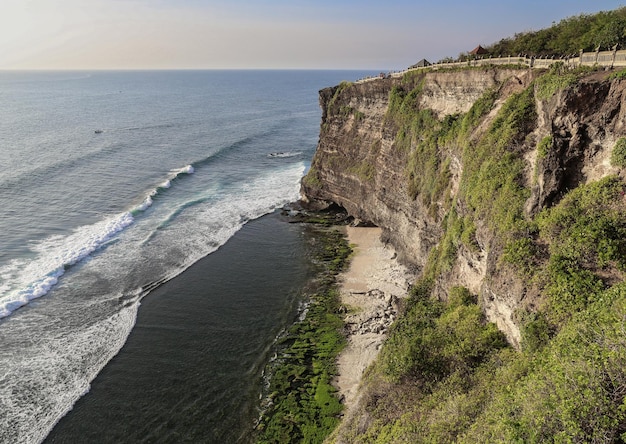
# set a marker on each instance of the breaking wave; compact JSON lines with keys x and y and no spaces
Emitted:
{"x":148,"y":201}
{"x":25,"y":280}
{"x":285,"y":154}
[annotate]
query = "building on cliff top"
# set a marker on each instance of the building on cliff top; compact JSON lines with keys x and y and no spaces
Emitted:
{"x":479,"y":50}
{"x":421,"y":64}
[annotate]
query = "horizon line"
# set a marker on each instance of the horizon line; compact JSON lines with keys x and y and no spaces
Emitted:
{"x":186,"y":69}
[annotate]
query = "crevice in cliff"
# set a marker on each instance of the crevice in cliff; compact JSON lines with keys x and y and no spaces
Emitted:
{"x":401,"y":154}
{"x":500,"y":187}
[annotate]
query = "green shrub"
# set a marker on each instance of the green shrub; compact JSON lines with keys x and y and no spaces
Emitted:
{"x":435,"y":340}
{"x":568,"y":36}
{"x":544,"y":147}
{"x":570,"y":393}
{"x":536,"y":332}
{"x":493,"y":168}
{"x":406,"y":351}
{"x":549,"y":84}
{"x":588,"y":226}
{"x":618,"y":75}
{"x":458,"y":296}
{"x":618,"y":156}
{"x":563,"y":388}
{"x":586,"y":233}
{"x":520,"y":253}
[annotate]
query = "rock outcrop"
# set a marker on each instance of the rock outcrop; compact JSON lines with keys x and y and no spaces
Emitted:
{"x":359,"y":166}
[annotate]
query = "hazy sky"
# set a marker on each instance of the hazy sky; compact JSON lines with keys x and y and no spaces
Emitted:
{"x":341,"y":34}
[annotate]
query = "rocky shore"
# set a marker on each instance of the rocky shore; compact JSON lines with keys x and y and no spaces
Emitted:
{"x":372,"y":290}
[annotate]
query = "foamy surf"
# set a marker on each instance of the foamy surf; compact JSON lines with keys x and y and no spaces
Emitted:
{"x":68,"y":363}
{"x":24,"y":281}
{"x":57,"y":372}
{"x":187,"y":175}
{"x":285,"y":154}
{"x":148,"y":201}
{"x":209,"y":223}
{"x":185,"y":170}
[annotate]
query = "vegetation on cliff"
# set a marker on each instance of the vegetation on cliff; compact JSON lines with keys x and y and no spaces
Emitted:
{"x":445,"y":374}
{"x":569,"y":36}
{"x":462,"y":385}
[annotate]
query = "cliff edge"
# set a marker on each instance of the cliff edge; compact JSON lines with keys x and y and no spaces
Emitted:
{"x":480,"y":178}
{"x":362,"y":165}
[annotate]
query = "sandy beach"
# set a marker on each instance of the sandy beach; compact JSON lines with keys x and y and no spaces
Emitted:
{"x":370,"y":289}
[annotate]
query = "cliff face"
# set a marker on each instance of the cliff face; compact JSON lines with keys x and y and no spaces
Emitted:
{"x":361,"y":166}
{"x":357,"y":167}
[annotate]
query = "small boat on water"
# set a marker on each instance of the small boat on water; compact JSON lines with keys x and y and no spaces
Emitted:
{"x":98,"y":131}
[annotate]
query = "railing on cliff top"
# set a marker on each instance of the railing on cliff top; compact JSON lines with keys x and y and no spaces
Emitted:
{"x":609,"y":59}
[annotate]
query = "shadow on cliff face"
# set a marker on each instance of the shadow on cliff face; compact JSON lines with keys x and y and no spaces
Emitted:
{"x":582,"y":123}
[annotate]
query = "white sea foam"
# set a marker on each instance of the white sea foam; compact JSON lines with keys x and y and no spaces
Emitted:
{"x":148,"y":201}
{"x":208,"y":226}
{"x":25,"y":281}
{"x":33,"y":279}
{"x":52,"y":374}
{"x":185,"y":170}
{"x":283,"y":154}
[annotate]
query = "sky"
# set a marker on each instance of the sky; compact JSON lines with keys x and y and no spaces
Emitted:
{"x":382,"y":35}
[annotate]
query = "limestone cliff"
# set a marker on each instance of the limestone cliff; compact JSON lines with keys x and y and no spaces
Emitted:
{"x":374,"y":162}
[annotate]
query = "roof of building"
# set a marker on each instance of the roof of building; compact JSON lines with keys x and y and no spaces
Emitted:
{"x":479,"y":50}
{"x":421,"y":64}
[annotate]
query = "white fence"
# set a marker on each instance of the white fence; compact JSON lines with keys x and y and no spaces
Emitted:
{"x":609,"y":59}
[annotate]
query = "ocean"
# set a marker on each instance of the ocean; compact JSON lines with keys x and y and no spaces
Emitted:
{"x":139,"y":208}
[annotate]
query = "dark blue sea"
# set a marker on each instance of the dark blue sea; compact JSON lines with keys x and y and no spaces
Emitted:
{"x":138,"y":213}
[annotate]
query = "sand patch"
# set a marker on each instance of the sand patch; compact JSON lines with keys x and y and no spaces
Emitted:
{"x":370,"y":288}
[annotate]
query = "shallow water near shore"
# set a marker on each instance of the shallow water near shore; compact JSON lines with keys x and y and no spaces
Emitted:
{"x":191,"y":368}
{"x":113,"y":183}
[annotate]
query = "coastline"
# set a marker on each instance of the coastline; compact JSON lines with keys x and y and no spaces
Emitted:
{"x":372,"y":289}
{"x":191,"y":369}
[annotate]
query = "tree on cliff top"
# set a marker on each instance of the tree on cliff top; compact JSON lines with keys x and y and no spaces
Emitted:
{"x":587,"y":32}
